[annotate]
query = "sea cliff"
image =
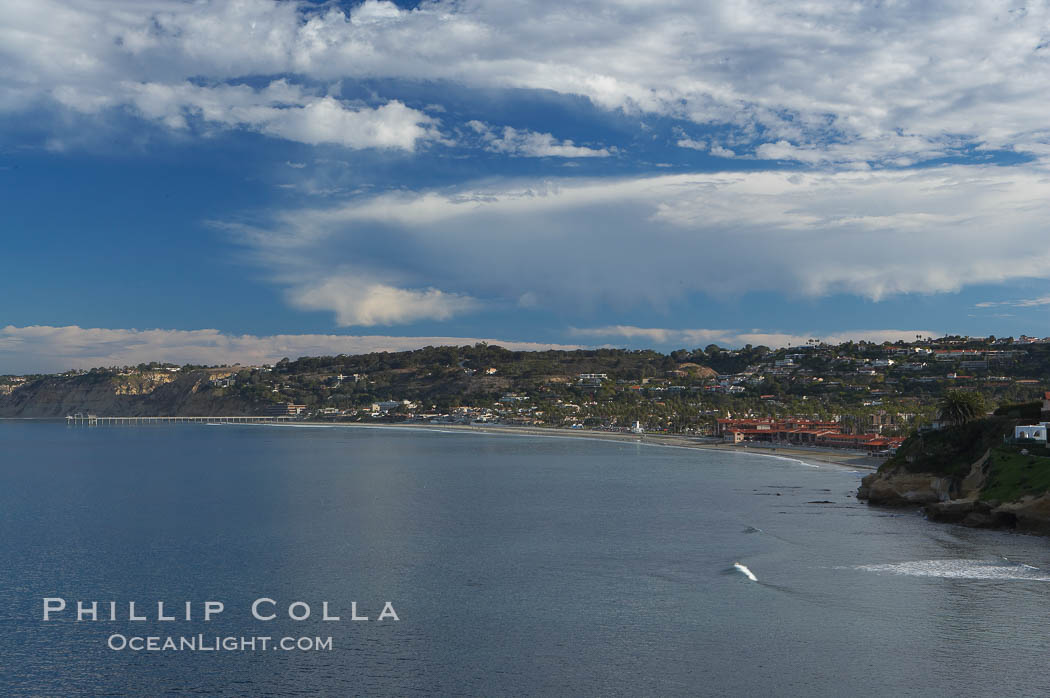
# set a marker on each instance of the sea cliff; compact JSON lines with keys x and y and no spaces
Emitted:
{"x":970,"y":474}
{"x":146,"y":393}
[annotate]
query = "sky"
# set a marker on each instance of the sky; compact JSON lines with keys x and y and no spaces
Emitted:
{"x":219,"y":181}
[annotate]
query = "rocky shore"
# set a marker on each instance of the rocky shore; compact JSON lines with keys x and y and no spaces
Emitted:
{"x":934,"y":495}
{"x":1001,"y":488}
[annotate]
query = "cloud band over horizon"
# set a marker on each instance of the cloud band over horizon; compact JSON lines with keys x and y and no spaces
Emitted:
{"x":648,"y":241}
{"x":47,"y":349}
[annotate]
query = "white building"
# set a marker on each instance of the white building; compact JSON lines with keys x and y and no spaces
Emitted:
{"x":1035,"y":432}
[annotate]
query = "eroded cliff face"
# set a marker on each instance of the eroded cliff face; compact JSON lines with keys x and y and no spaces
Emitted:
{"x":956,"y":499}
{"x":141,"y":383}
{"x":901,"y":487}
{"x":1029,"y":514}
{"x":904,"y":489}
{"x":142,"y":394}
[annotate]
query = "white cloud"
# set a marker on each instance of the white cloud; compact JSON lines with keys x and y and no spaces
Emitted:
{"x":887,"y":83}
{"x":282,"y":110}
{"x":361,"y":303}
{"x":38,"y":349}
{"x":531,"y":144}
{"x":691,"y":143}
{"x":693,"y":338}
{"x":170,"y":62}
{"x":1020,"y":303}
{"x":714,"y":149}
{"x":577,"y":244}
{"x":392,"y":125}
{"x":375,"y":12}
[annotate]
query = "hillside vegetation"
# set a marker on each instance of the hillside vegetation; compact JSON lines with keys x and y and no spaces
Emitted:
{"x":952,"y":450}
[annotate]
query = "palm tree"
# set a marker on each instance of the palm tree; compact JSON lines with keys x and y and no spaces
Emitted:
{"x":961,"y":406}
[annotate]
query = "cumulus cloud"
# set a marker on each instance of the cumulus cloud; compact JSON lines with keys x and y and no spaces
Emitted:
{"x":576,"y":244}
{"x":531,"y":144}
{"x":872,"y":82}
{"x":361,"y":303}
{"x":42,"y":349}
{"x":692,"y":338}
{"x":281,"y":109}
{"x":93,"y":56}
{"x":691,"y":143}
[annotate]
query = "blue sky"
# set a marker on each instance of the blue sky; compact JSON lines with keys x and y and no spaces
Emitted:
{"x":226,"y":181}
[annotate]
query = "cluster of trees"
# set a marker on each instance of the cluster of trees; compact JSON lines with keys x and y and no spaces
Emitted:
{"x":961,"y":406}
{"x":516,"y":364}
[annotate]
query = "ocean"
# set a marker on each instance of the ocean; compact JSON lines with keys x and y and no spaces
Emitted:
{"x":514,"y":565}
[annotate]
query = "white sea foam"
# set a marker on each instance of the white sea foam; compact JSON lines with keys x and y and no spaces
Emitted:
{"x":745,"y":571}
{"x":962,"y":569}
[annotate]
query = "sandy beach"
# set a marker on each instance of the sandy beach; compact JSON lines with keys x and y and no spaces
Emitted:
{"x":816,"y":456}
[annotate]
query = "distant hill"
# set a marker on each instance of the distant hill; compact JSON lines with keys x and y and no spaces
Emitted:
{"x":442,"y":375}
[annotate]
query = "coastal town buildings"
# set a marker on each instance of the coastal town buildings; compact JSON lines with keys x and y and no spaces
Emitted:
{"x":801,"y":432}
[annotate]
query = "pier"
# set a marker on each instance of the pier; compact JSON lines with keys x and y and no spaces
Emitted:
{"x":92,"y":419}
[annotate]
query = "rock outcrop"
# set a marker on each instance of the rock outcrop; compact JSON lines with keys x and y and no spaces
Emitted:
{"x":904,"y":489}
{"x":955,"y":498}
{"x":896,"y":487}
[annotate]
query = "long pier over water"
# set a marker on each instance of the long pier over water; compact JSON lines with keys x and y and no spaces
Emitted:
{"x":97,"y":420}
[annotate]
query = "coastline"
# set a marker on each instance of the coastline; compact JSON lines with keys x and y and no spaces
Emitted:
{"x":811,"y":456}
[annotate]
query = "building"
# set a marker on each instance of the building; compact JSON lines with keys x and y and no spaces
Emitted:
{"x":284,"y":410}
{"x":760,"y":429}
{"x":877,"y":421}
{"x":592,"y":380}
{"x":1034,"y":432}
{"x":801,"y":432}
{"x":386,"y":406}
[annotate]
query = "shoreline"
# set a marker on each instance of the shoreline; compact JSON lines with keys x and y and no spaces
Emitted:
{"x":810,"y":456}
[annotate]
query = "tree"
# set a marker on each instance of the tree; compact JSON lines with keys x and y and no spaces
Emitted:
{"x":961,"y":406}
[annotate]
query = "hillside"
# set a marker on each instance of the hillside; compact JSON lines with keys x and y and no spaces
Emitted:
{"x":885,"y":389}
{"x":112,"y":393}
{"x":442,"y":377}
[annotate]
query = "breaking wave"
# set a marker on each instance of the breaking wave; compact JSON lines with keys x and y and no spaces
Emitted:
{"x":962,"y":569}
{"x":745,"y":571}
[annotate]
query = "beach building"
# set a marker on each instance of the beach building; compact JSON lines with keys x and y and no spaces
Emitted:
{"x":801,"y":432}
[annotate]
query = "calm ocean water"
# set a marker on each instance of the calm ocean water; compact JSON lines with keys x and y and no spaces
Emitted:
{"x":517,"y":566}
